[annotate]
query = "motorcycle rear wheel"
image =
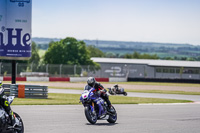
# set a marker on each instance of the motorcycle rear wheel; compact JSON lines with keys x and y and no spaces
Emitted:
{"x":90,"y":116}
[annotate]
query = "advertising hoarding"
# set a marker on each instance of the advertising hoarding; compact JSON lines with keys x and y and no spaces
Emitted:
{"x":15,"y":29}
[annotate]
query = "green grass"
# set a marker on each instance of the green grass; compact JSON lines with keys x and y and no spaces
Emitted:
{"x":155,"y":83}
{"x":140,"y":91}
{"x":128,"y":83}
{"x":66,"y":99}
{"x":165,"y":92}
{"x":53,"y":87}
{"x":53,"y":99}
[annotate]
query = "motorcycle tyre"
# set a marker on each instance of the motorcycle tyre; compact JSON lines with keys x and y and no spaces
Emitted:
{"x":88,"y":116}
{"x":22,"y":130}
{"x":110,"y":119}
{"x":111,"y":93}
{"x":125,"y":93}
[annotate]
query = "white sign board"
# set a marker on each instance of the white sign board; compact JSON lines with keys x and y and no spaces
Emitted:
{"x":15,"y":29}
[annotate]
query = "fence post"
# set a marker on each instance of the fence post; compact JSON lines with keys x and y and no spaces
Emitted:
{"x":32,"y":67}
{"x":60,"y":69}
{"x":47,"y":68}
{"x":88,"y":68}
{"x":74,"y":70}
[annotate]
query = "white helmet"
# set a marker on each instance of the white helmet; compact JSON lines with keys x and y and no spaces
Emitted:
{"x":91,"y":81}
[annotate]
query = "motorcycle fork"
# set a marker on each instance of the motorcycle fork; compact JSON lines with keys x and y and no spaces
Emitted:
{"x":92,"y":108}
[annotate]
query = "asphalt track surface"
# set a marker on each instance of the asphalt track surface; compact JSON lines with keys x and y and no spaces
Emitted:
{"x":181,"y":118}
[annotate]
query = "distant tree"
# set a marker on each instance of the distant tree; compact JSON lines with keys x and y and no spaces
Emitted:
{"x":128,"y":56}
{"x":148,"y":56}
{"x":35,"y":58}
{"x":168,"y":58}
{"x":68,"y":51}
{"x":137,"y":55}
{"x":110,"y":55}
{"x":95,"y":52}
{"x":51,"y":42}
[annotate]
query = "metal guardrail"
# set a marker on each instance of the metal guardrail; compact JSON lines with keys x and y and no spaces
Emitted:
{"x":6,"y":89}
{"x":30,"y":91}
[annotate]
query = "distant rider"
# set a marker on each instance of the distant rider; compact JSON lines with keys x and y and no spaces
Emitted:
{"x":100,"y":90}
{"x":115,"y":88}
{"x":5,"y":104}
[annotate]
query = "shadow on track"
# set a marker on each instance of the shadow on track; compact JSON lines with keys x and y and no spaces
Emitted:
{"x":102,"y":124}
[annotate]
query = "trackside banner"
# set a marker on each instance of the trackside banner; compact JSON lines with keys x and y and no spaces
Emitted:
{"x":15,"y":29}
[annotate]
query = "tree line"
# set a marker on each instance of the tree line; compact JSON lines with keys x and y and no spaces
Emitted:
{"x":70,"y":51}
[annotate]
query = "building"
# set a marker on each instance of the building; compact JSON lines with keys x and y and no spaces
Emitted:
{"x":144,"y":69}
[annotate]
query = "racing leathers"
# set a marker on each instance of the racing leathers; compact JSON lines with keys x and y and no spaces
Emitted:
{"x":100,"y":90}
{"x":5,"y":104}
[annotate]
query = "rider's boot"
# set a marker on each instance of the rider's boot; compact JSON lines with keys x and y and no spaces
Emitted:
{"x":110,"y":109}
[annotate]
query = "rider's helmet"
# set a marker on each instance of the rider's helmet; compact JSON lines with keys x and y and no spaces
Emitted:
{"x":91,"y":81}
{"x":116,"y":85}
{"x":1,"y":88}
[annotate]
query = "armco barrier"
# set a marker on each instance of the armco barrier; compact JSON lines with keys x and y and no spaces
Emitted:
{"x":78,"y":79}
{"x":64,"y":79}
{"x":17,"y":78}
{"x":117,"y":79}
{"x":37,"y":78}
{"x":102,"y":79}
{"x":6,"y":89}
{"x":29,"y":91}
{"x":58,"y":79}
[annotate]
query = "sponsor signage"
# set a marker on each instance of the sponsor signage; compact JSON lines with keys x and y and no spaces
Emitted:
{"x":15,"y":29}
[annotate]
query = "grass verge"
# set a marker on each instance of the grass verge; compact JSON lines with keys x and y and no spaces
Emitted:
{"x":165,"y":92}
{"x":128,"y":83}
{"x":65,"y":99}
{"x":155,"y":83}
{"x":141,"y":91}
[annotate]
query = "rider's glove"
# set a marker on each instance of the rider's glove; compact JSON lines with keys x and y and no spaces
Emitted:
{"x":4,"y":97}
{"x":102,"y":92}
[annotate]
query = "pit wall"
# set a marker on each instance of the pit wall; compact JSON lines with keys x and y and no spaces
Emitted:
{"x":64,"y":79}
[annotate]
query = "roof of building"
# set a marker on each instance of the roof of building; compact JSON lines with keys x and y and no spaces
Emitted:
{"x":150,"y":62}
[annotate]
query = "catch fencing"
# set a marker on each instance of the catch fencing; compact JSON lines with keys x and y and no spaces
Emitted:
{"x":53,"y":70}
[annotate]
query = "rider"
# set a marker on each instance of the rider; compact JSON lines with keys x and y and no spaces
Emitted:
{"x":115,"y":88}
{"x":100,"y":89}
{"x":5,"y":104}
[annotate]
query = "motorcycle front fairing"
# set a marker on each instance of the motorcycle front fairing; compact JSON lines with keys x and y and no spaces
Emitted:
{"x":98,"y":101}
{"x":90,"y":96}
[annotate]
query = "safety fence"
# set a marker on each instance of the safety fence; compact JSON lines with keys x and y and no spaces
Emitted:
{"x":6,"y":89}
{"x":61,"y":70}
{"x":65,"y":79}
{"x":47,"y":70}
{"x":26,"y":91}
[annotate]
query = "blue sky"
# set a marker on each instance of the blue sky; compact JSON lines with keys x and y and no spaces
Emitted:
{"x":171,"y":21}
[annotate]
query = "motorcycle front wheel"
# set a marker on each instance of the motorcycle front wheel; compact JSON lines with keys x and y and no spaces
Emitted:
{"x":125,"y":93}
{"x":112,"y":117}
{"x":20,"y":127}
{"x":92,"y":118}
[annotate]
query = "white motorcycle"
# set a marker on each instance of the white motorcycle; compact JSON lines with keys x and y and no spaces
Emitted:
{"x":5,"y":122}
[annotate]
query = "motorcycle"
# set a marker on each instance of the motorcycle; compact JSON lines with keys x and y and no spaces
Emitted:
{"x":117,"y":90}
{"x":5,"y":122}
{"x":95,"y":107}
